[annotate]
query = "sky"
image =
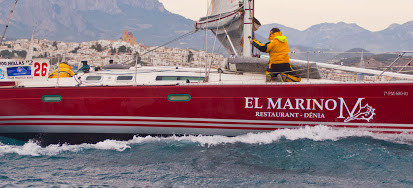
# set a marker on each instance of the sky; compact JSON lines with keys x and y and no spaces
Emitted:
{"x":374,"y":15}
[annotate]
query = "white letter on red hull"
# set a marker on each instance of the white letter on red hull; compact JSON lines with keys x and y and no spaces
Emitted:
{"x":248,"y":102}
{"x":257,"y":104}
{"x":271,"y":104}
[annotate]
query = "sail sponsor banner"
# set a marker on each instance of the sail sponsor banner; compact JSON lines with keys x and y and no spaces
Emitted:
{"x":15,"y":70}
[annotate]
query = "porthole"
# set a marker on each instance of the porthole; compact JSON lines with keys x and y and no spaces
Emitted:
{"x":179,"y":97}
{"x":52,"y":98}
{"x":124,"y":78}
{"x":93,"y":78}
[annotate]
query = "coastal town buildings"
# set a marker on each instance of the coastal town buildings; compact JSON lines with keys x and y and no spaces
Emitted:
{"x":98,"y":53}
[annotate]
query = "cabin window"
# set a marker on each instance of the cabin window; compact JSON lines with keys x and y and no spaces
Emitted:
{"x":52,"y":98}
{"x":94,"y":78}
{"x":166,"y":78}
{"x":169,"y":78}
{"x":179,"y":97}
{"x":192,"y":78}
{"x":124,"y":78}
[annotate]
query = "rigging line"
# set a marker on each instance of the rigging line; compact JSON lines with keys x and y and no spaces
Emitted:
{"x":205,"y":44}
{"x":216,"y":36}
{"x":210,"y":7}
{"x":226,"y":36}
{"x":229,"y":26}
{"x":406,"y":65}
{"x":174,"y":40}
{"x":8,"y":22}
{"x":400,"y":56}
{"x":205,"y":48}
{"x":213,"y":48}
{"x":206,"y":53}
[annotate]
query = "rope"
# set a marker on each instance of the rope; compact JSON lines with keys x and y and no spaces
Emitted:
{"x":206,"y":54}
{"x":216,"y":36}
{"x":213,"y":51}
{"x":174,"y":40}
{"x":8,"y":22}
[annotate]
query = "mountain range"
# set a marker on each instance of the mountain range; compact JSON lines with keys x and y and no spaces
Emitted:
{"x":343,"y":36}
{"x":81,"y":20}
{"x":152,"y":24}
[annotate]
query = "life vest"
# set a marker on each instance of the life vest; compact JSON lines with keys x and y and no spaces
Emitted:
{"x":277,"y":47}
{"x":64,"y":71}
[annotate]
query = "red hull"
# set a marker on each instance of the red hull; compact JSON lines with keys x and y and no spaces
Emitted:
{"x":225,"y":110}
{"x":3,"y":84}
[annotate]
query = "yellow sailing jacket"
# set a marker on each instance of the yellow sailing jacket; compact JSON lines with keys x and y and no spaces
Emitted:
{"x":64,"y":71}
{"x":277,"y":48}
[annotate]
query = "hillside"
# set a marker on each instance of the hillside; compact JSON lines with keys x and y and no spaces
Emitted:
{"x":342,"y":36}
{"x":152,"y":24}
{"x":79,"y":20}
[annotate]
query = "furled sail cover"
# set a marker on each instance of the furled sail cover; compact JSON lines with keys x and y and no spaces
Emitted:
{"x":226,"y":16}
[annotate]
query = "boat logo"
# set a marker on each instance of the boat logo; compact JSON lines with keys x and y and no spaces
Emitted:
{"x":364,"y":113}
{"x":358,"y":112}
{"x":2,"y":74}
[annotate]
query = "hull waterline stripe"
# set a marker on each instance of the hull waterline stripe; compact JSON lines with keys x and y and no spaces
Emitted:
{"x":158,"y":125}
{"x":188,"y":121}
{"x":137,"y":123}
{"x":117,"y":127}
{"x":203,"y":120}
{"x":133,"y":123}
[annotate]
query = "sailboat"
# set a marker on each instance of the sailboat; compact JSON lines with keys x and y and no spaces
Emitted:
{"x":184,"y":101}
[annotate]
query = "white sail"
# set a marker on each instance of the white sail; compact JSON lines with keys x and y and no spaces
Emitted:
{"x":225,"y":20}
{"x":221,"y":13}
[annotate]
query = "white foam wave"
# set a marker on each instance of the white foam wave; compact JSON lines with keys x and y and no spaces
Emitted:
{"x":33,"y":149}
{"x":319,"y":133}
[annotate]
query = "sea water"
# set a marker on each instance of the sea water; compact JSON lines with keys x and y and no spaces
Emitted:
{"x":307,"y":157}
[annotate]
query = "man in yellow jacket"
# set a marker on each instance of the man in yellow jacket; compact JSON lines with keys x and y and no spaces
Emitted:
{"x":64,"y":71}
{"x":279,"y":63}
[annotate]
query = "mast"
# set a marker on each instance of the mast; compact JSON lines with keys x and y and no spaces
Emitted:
{"x":362,"y":65}
{"x":31,"y":46}
{"x":8,"y":21}
{"x":232,"y":22}
{"x":248,"y":26}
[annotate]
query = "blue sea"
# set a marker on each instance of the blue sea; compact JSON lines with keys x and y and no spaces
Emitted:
{"x":307,"y":157}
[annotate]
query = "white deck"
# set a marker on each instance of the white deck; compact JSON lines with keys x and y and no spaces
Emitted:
{"x":148,"y":75}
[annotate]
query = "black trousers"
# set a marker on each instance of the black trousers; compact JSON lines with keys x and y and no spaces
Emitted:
{"x":281,"y":68}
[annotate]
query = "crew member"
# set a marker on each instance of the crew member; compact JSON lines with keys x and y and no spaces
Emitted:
{"x":85,"y":68}
{"x":279,"y":63}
